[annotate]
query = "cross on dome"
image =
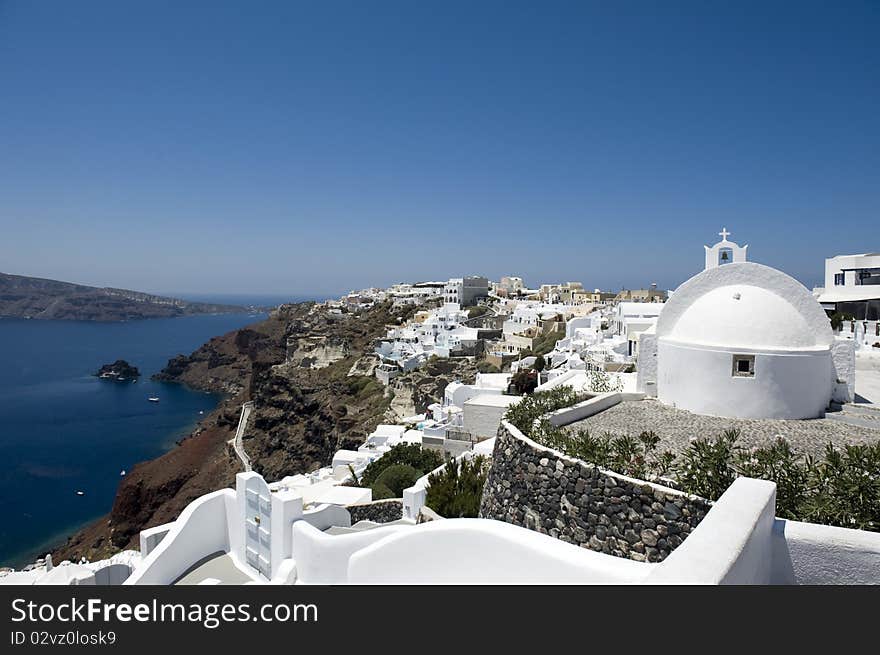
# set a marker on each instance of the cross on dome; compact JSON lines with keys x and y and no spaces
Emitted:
{"x":725,"y":252}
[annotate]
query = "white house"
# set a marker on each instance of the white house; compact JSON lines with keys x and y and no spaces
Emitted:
{"x":745,"y":340}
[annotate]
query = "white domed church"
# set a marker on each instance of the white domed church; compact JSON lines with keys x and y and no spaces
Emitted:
{"x":745,"y":340}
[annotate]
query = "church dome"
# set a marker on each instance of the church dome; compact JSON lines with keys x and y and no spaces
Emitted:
{"x":741,"y":315}
{"x":745,"y":306}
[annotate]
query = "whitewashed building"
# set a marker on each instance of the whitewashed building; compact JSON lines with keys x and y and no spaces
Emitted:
{"x":745,"y":340}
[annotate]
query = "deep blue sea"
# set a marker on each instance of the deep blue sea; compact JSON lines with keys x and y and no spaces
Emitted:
{"x":63,"y":430}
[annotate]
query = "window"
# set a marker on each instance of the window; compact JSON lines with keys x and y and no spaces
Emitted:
{"x":743,"y":366}
{"x":838,"y":279}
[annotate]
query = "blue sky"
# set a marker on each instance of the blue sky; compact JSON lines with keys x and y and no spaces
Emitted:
{"x":309,"y":148}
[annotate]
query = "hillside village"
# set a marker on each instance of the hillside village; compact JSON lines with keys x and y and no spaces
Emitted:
{"x":570,"y":441}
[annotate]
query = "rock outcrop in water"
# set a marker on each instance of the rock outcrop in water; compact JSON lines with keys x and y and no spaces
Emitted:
{"x":120,"y":371}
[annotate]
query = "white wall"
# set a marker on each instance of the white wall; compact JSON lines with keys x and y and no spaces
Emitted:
{"x":200,"y":531}
{"x":843,"y":357}
{"x":482,"y":551}
{"x":785,"y":385}
{"x":806,"y":553}
{"x":323,"y":559}
{"x":646,"y":368}
{"x":483,"y":420}
{"x":731,"y":545}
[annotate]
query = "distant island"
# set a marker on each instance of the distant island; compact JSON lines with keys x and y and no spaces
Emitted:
{"x":120,"y":370}
{"x":37,"y":298}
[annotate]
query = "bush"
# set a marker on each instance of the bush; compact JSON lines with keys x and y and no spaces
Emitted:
{"x":844,"y":489}
{"x":396,"y":478}
{"x":633,"y":456}
{"x":540,"y":364}
{"x":528,"y":414}
{"x":413,"y":455}
{"x":706,"y":466}
{"x":487,"y":367}
{"x":381,"y":492}
{"x":524,"y":382}
{"x":456,"y":490}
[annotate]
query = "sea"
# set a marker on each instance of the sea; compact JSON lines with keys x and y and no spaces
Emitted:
{"x":64,"y":431}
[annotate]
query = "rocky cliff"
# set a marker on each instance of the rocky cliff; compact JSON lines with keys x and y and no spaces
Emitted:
{"x":31,"y":297}
{"x":306,"y":406}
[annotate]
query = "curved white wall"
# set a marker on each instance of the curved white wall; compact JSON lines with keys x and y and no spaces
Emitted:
{"x":786,"y":384}
{"x":200,"y":530}
{"x":482,"y":551}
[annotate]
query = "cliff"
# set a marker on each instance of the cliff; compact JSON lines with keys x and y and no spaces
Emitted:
{"x":303,"y":368}
{"x":31,"y":297}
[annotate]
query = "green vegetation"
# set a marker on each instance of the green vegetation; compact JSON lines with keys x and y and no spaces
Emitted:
{"x":841,"y":489}
{"x":393,"y":480}
{"x":540,"y":363}
{"x":402,"y":465}
{"x":487,"y":367}
{"x":479,"y":310}
{"x":524,"y":382}
{"x":456,"y":491}
{"x":544,"y":343}
{"x":362,"y":386}
{"x":528,"y":415}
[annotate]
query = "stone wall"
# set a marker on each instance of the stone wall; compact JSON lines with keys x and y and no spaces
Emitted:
{"x":543,"y":490}
{"x":380,"y":511}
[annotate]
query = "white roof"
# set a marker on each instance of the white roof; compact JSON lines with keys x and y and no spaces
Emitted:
{"x":851,"y":295}
{"x":745,"y":305}
{"x":339,"y":495}
{"x":493,"y":400}
{"x":386,"y":430}
{"x":740,"y":315}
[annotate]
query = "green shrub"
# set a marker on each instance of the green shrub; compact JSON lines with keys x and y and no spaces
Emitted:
{"x":524,"y":382}
{"x":636,"y":457}
{"x":422,"y":460}
{"x":706,"y":467}
{"x":457,"y":489}
{"x":396,"y":478}
{"x":487,"y":367}
{"x":778,"y":462}
{"x":528,"y":414}
{"x":381,"y":492}
{"x":845,"y":488}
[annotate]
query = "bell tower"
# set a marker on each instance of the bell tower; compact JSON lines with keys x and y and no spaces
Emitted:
{"x":724,"y":252}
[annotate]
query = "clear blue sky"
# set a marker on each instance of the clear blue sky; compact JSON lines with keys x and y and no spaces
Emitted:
{"x":282,"y":147}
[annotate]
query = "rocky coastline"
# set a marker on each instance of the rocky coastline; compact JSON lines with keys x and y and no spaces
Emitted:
{"x":308,"y":373}
{"x":42,"y":299}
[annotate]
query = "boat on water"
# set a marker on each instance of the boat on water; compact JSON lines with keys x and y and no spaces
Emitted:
{"x":153,"y":399}
{"x":80,"y":492}
{"x":122,"y":473}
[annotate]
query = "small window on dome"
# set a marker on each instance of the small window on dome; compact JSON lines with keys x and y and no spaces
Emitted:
{"x":743,"y":366}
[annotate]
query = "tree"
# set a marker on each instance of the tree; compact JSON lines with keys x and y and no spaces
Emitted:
{"x":524,"y":382}
{"x":413,"y":455}
{"x":457,"y":489}
{"x":395,"y":479}
{"x":539,"y":364}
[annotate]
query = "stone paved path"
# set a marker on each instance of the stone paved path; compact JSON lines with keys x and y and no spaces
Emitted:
{"x":676,"y":427}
